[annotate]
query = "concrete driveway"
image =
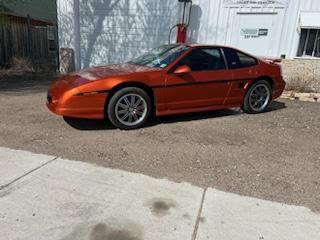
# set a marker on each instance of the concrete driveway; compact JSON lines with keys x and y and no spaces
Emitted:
{"x":48,"y":198}
{"x":272,"y":156}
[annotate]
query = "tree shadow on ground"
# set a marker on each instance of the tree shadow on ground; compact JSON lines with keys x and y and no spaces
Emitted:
{"x":26,"y":82}
{"x":89,"y":124}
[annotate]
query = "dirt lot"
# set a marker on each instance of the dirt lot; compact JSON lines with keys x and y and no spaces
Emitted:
{"x":273,"y":156}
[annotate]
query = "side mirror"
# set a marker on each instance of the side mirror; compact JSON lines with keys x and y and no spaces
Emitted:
{"x":182,"y":70}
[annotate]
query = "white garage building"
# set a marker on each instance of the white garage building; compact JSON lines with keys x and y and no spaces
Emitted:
{"x":111,"y":31}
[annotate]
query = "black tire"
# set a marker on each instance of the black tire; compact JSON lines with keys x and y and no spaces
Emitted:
{"x":248,"y":99}
{"x":116,"y":99}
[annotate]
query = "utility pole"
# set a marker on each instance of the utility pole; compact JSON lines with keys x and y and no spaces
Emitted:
{"x":77,"y":33}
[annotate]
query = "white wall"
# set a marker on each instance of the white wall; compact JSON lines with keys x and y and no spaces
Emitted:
{"x":112,"y":31}
{"x":219,"y":24}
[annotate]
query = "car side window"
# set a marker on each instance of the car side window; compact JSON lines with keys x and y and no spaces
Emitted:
{"x":204,"y":59}
{"x":236,"y":59}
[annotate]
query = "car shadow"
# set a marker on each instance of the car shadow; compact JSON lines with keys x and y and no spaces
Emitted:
{"x":276,"y":105}
{"x":90,"y":124}
{"x":186,"y":117}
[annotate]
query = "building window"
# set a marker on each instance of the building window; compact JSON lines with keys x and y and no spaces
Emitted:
{"x":52,"y":43}
{"x":309,"y":45}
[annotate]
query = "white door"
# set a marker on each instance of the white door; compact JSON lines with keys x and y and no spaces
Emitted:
{"x":256,"y":33}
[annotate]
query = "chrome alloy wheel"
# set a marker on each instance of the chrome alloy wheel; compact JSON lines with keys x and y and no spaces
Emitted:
{"x":259,"y":97}
{"x":131,"y":109}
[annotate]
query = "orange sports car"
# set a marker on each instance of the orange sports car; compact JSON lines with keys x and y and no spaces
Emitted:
{"x":170,"y":79}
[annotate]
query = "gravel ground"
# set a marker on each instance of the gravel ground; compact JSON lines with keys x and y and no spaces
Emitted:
{"x":273,"y":156}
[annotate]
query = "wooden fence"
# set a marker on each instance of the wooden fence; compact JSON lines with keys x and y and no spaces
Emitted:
{"x":27,"y":38}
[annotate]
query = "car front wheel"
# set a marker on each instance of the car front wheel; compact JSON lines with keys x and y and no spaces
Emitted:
{"x":129,"y":108}
{"x":258,"y":97}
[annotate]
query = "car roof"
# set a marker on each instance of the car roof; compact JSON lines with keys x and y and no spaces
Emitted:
{"x":196,"y":45}
{"x":205,"y":45}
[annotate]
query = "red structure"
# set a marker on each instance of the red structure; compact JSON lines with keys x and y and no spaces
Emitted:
{"x":181,"y":33}
{"x":182,"y":27}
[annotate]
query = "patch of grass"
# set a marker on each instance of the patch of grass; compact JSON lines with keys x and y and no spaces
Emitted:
{"x":17,"y":65}
{"x":21,"y":64}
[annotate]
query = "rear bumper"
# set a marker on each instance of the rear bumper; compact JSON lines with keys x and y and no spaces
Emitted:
{"x":278,"y":88}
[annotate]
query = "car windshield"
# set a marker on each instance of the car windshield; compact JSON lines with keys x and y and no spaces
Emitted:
{"x":161,"y":56}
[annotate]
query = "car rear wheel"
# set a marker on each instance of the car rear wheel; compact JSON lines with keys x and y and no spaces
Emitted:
{"x":129,"y":108}
{"x":258,"y":97}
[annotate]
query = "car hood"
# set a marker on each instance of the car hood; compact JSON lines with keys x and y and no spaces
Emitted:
{"x":76,"y":79}
{"x":96,"y":73}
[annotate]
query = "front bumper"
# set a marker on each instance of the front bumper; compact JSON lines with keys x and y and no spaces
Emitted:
{"x":90,"y":106}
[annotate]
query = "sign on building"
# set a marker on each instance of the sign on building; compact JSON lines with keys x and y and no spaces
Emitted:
{"x":256,"y":3}
{"x":254,"y":32}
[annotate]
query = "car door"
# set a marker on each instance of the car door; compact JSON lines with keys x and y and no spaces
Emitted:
{"x":244,"y":70}
{"x":206,"y":85}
